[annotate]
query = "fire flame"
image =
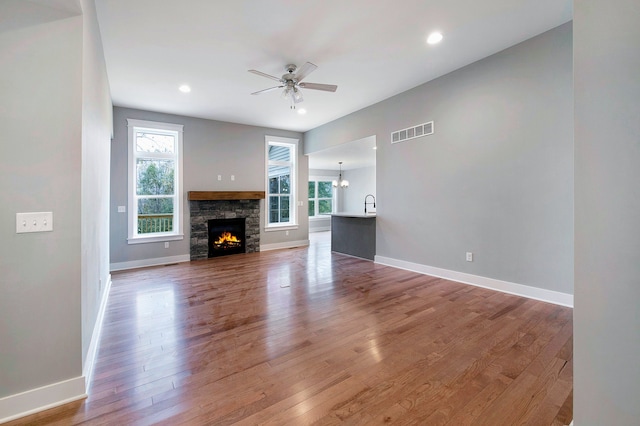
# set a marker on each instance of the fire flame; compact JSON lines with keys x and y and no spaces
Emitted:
{"x":227,"y":237}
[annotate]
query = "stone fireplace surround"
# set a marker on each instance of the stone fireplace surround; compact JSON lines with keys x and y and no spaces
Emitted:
{"x":205,"y":205}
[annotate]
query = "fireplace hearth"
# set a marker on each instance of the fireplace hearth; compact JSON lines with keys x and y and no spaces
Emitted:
{"x":226,"y":236}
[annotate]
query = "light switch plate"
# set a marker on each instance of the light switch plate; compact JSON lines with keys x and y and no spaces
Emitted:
{"x":34,"y":222}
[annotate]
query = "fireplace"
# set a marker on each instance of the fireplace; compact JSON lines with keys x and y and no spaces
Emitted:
{"x":226,"y":236}
{"x":208,"y":205}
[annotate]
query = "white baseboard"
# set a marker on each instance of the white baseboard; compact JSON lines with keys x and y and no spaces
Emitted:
{"x":121,"y":266}
{"x":319,"y":228}
{"x":544,"y":295}
{"x":32,"y":401}
{"x":35,"y":400}
{"x":287,"y":244}
{"x":90,"y":360}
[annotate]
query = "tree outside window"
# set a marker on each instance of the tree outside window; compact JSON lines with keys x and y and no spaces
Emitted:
{"x":154,"y":192}
{"x":320,"y":197}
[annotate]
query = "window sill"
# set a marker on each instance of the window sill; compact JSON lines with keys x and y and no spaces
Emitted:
{"x":280,"y":228}
{"x":155,"y":239}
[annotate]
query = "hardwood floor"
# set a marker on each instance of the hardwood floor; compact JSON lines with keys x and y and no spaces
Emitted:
{"x":303,"y":336}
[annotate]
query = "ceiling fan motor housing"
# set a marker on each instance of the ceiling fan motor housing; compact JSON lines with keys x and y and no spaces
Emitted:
{"x":291,"y":68}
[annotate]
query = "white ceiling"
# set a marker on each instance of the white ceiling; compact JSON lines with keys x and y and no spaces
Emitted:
{"x":354,"y":155}
{"x":371,"y":49}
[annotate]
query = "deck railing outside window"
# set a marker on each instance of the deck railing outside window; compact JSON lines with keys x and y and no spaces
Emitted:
{"x":155,"y":223}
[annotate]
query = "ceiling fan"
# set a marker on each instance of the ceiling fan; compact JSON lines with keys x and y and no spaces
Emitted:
{"x":292,"y":82}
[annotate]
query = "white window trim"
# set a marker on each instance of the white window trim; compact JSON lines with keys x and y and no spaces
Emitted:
{"x":293,"y":203}
{"x":177,"y":234}
{"x":334,"y":192}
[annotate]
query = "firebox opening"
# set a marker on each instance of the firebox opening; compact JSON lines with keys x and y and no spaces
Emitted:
{"x":226,"y":236}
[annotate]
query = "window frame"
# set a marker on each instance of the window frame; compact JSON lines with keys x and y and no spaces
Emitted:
{"x":293,"y":182}
{"x":334,"y":198}
{"x":177,"y":233}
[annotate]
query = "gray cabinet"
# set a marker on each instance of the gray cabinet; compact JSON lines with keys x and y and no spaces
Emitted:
{"x":354,"y":235}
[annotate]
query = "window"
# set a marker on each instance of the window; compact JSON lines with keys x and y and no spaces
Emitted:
{"x":155,"y":181}
{"x":320,"y":196}
{"x":281,"y":181}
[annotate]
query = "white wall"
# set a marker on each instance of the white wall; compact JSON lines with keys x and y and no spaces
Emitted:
{"x":495,"y":179}
{"x":607,"y":212}
{"x":319,"y":224}
{"x":361,"y":182}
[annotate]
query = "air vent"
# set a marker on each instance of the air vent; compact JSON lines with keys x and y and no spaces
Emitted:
{"x":418,"y":131}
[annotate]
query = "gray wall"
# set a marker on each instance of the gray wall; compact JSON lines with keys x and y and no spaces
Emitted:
{"x":97,"y":129}
{"x":54,"y":156}
{"x":40,"y":170}
{"x":495,"y":179}
{"x":607,"y":212}
{"x":211,"y":148}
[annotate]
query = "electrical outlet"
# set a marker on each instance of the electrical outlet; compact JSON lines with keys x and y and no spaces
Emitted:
{"x":233,"y":177}
{"x":286,"y":232}
{"x":219,"y":177}
{"x":469,"y":256}
{"x":34,"y":222}
{"x":166,"y":244}
{"x":122,"y":209}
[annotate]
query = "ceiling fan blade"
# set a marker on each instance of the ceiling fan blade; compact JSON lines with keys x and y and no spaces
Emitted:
{"x":305,"y":70}
{"x":317,"y":86}
{"x":267,"y":90}
{"x":264,"y":75}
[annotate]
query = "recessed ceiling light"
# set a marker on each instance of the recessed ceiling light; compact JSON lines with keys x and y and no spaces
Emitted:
{"x":434,"y":38}
{"x":184,"y":88}
{"x":302,"y":111}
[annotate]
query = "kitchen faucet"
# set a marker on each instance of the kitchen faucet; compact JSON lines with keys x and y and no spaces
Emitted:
{"x":365,"y":202}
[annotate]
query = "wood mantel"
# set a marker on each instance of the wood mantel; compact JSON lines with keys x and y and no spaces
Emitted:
{"x":225,"y":195}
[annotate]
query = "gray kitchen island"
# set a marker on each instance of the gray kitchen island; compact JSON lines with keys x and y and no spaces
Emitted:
{"x":354,"y":234}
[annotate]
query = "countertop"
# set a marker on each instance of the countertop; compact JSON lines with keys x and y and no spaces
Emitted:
{"x":359,"y":215}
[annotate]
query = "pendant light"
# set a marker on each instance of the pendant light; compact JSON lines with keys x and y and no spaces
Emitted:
{"x":342,"y":183}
